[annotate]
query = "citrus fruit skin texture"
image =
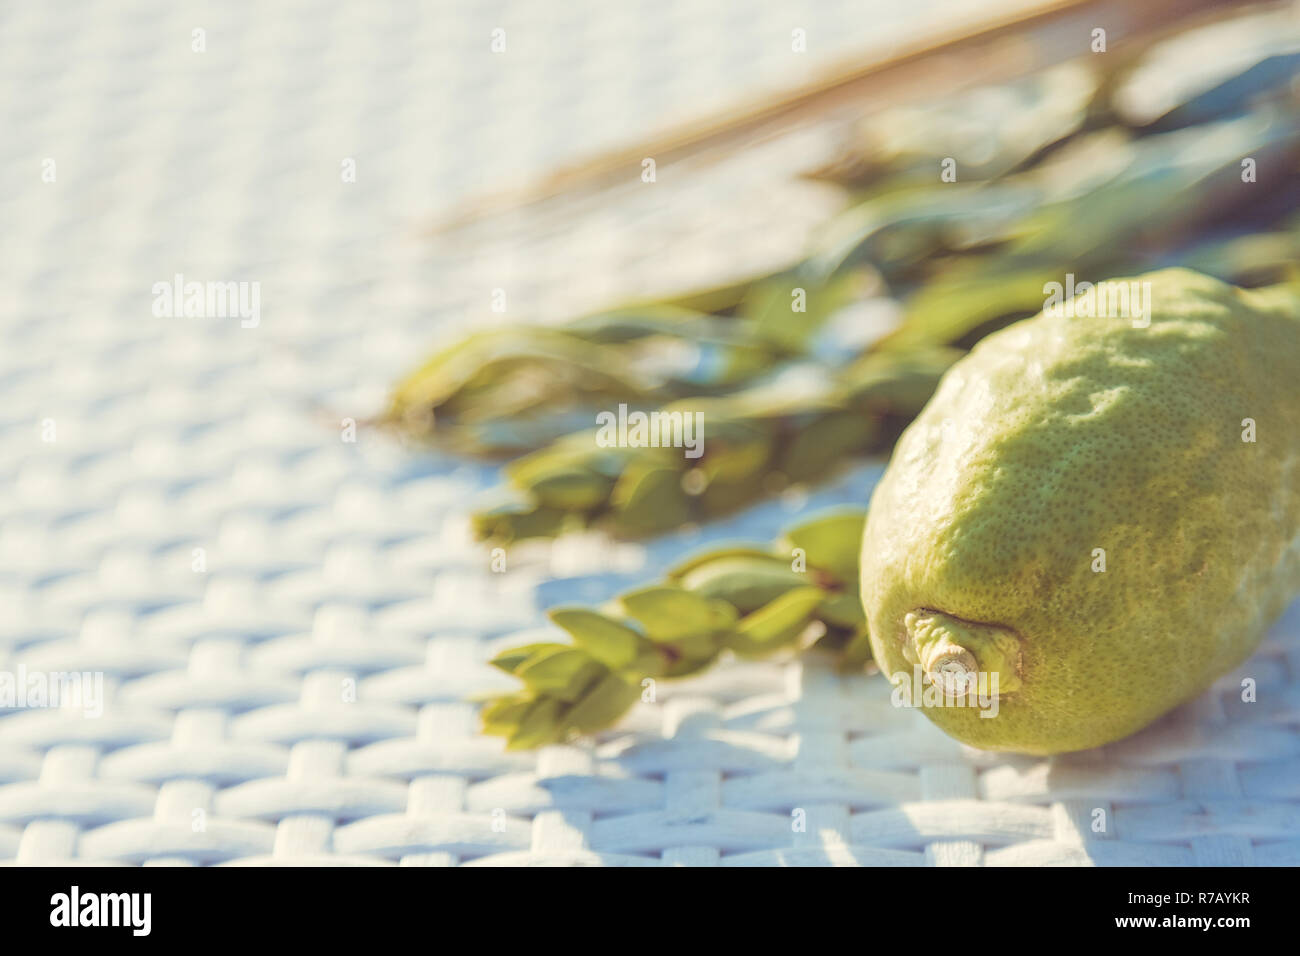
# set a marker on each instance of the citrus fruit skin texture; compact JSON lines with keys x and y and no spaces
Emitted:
{"x":1058,"y":436}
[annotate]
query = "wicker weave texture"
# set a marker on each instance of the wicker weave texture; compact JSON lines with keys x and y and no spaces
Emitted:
{"x":291,"y":627}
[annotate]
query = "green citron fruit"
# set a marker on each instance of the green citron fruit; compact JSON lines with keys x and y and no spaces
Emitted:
{"x":1097,"y":516}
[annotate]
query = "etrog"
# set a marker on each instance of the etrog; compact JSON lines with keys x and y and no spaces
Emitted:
{"x":1094,"y":517}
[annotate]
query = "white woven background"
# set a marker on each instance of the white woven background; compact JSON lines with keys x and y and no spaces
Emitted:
{"x":228,"y":735}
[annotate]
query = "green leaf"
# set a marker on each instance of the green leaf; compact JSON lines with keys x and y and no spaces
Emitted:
{"x":789,"y":611}
{"x":651,"y":661}
{"x":571,"y":489}
{"x":832,"y":543}
{"x":746,"y":583}
{"x":969,"y":296}
{"x":510,"y":660}
{"x":691,"y":665}
{"x":540,"y":725}
{"x":515,"y":522}
{"x":843,"y":610}
{"x":509,"y":371}
{"x":638,"y":321}
{"x":726,"y":497}
{"x":735,"y":451}
{"x":669,"y":613}
{"x":564,"y":674}
{"x":601,"y":706}
{"x":613,"y":644}
{"x":900,"y":382}
{"x":777,"y":623}
{"x":703,"y":644}
{"x":717,"y":554}
{"x":770,"y":305}
{"x":501,"y":716}
{"x":647,"y":500}
{"x":824,"y":443}
{"x":724,"y":614}
{"x":716,"y":299}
